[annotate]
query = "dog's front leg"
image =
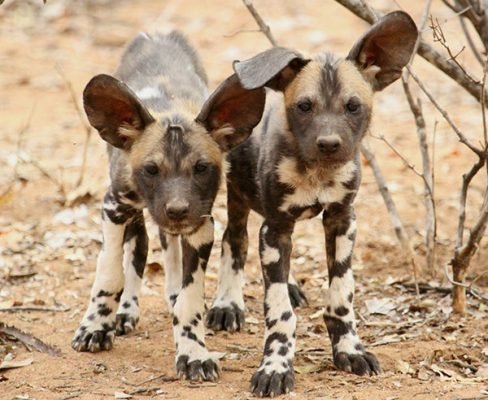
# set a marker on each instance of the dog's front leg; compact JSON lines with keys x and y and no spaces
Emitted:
{"x":348,"y":352}
{"x":193,"y":360}
{"x":172,"y":262}
{"x":97,"y":328}
{"x":275,"y":374}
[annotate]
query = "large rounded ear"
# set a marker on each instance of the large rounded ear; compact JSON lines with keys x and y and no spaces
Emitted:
{"x":231,"y":112}
{"x":114,"y":110}
{"x":385,"y":49}
{"x":274,"y":68}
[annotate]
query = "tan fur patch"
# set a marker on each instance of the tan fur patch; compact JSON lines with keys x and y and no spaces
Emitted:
{"x":353,"y":83}
{"x":148,"y":146}
{"x":305,"y":85}
{"x":202,"y":145}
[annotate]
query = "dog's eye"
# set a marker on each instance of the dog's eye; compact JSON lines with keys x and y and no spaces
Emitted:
{"x":305,"y":106}
{"x":200,"y":167}
{"x":151,"y":169}
{"x":353,"y":105}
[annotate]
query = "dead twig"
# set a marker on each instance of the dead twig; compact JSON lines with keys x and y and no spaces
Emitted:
{"x":467,"y":178}
{"x":262,"y":25}
{"x":429,"y":194}
{"x":425,"y":50}
{"x":483,"y":106}
{"x":395,"y":220}
{"x":87,"y":127}
{"x":34,"y":308}
{"x":439,"y":37}
{"x":424,"y":288}
{"x":427,"y":177}
{"x":462,"y":138}
{"x":72,"y":396}
{"x":427,"y":167}
{"x":230,"y":369}
{"x":20,"y":138}
{"x":229,"y":35}
{"x":476,"y":13}
{"x":29,"y":340}
{"x":470,"y":41}
{"x":162,"y":377}
{"x":146,"y":390}
{"x":465,"y":286}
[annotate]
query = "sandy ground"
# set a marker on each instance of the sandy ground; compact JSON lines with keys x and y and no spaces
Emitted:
{"x":49,"y":224}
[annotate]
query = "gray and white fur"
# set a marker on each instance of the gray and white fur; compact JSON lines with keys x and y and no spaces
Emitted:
{"x":166,"y":144}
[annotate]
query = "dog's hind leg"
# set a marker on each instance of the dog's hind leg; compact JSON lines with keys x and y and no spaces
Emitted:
{"x":227,"y":312}
{"x":135,"y":256}
{"x":297,"y":297}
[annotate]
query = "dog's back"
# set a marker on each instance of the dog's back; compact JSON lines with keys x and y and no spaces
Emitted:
{"x":152,"y":67}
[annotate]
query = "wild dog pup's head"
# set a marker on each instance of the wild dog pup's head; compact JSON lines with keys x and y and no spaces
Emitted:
{"x":328,"y":100}
{"x":175,"y":158}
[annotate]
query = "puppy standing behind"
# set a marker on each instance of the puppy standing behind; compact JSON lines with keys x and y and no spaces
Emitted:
{"x":166,"y":146}
{"x":301,"y":160}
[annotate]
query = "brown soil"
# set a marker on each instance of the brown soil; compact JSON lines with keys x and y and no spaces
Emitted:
{"x":45,"y":260}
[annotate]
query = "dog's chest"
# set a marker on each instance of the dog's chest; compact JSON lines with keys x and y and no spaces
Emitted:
{"x":314,"y":190}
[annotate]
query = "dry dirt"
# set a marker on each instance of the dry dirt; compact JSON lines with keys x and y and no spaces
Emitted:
{"x":48,"y":245}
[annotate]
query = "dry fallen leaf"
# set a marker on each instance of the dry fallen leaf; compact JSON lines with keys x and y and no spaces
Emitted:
{"x":482,"y":371}
{"x":379,"y":306}
{"x":29,"y":340}
{"x":9,"y":364}
{"x":403,"y":367}
{"x":122,"y":395}
{"x":307,"y":368}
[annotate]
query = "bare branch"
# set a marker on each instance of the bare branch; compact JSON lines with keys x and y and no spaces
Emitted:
{"x":475,"y":235}
{"x":463,"y":139}
{"x":427,"y":177}
{"x":20,"y":138}
{"x":439,"y":37}
{"x":483,"y":106}
{"x":88,"y":130}
{"x":469,"y":287}
{"x":467,"y":178}
{"x":262,"y":25}
{"x":471,"y":44}
{"x":395,"y":220}
{"x":478,"y":16}
{"x":424,"y":50}
{"x":229,"y":35}
{"x":405,"y":161}
{"x":29,"y":340}
{"x":385,"y":193}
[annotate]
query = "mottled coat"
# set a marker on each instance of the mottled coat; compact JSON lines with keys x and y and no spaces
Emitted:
{"x":166,"y":144}
{"x":302,"y":160}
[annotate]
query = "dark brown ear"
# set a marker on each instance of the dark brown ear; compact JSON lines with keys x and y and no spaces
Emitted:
{"x":114,"y":110}
{"x":231,"y":112}
{"x":385,"y":49}
{"x":274,"y":68}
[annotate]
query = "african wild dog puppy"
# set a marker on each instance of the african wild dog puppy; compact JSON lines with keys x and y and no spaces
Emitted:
{"x":301,"y":160}
{"x":166,"y":146}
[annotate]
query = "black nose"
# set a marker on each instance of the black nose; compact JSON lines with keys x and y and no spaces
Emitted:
{"x":328,"y":144}
{"x":177,"y":210}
